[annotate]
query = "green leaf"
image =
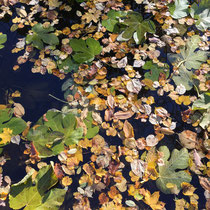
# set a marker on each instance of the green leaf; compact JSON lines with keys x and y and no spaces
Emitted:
{"x":201,"y":13}
{"x":179,"y":9}
{"x":50,"y":137}
{"x":155,"y":71}
{"x":5,"y":115}
{"x":91,"y":132}
{"x":74,"y":137}
{"x":202,"y":103}
{"x":168,"y":173}
{"x":85,"y":51}
{"x":113,"y":19}
{"x":42,"y":35}
{"x":185,"y":78}
{"x":3,"y":39}
{"x":136,"y":25}
{"x":67,"y":65}
{"x":187,"y":59}
{"x":17,"y":125}
{"x":52,"y":200}
{"x":31,"y":196}
{"x":47,"y":143}
{"x":205,"y":120}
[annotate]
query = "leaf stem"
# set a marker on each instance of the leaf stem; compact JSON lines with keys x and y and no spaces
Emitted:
{"x":58,"y":99}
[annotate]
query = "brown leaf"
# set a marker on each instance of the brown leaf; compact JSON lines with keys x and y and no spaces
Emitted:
{"x":108,"y":114}
{"x":19,"y":110}
{"x":188,"y":139}
{"x":58,"y":171}
{"x":120,"y":115}
{"x":110,"y":101}
{"x":138,"y":167}
{"x":103,"y":198}
{"x":128,"y":130}
{"x":204,"y":182}
{"x":166,"y":131}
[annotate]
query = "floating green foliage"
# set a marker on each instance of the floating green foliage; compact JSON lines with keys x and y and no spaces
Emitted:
{"x":203,"y":105}
{"x":112,"y":23}
{"x":136,"y":27}
{"x":3,"y":39}
{"x":187,"y":59}
{"x":168,"y":172}
{"x":85,"y":51}
{"x":42,"y":35}
{"x":37,"y":194}
{"x":17,"y":125}
{"x":91,"y":130}
{"x":67,"y":65}
{"x":51,"y":135}
{"x":179,"y":8}
{"x":155,"y":71}
{"x":201,"y":13}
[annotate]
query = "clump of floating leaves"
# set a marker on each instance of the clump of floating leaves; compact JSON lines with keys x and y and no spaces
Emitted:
{"x":135,"y":121}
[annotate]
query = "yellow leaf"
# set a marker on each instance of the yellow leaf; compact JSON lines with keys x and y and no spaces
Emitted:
{"x":153,"y":200}
{"x":66,"y":181}
{"x":188,"y":189}
{"x":5,"y":136}
{"x":180,"y":204}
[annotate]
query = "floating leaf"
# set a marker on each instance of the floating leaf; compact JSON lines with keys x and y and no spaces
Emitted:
{"x":91,"y":130}
{"x":42,"y":35}
{"x":9,"y":123}
{"x":85,"y":51}
{"x":202,"y":103}
{"x":39,"y":195}
{"x":130,"y":203}
{"x":153,"y":200}
{"x":3,"y":39}
{"x":190,"y":58}
{"x":179,"y":9}
{"x":188,"y":139}
{"x":155,"y":71}
{"x":168,"y":172}
{"x":113,"y":19}
{"x":136,"y":26}
{"x":185,"y":78}
{"x":187,"y":59}
{"x":67,"y":65}
{"x":201,"y":13}
{"x":50,"y":137}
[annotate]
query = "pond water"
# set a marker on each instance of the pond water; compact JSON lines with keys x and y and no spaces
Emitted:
{"x":35,"y":90}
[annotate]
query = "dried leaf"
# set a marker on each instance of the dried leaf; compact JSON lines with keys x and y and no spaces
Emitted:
{"x":188,"y":139}
{"x":120,"y":115}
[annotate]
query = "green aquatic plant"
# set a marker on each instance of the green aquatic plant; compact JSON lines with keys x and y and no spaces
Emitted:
{"x":3,"y":39}
{"x":37,"y":194}
{"x":41,"y":35}
{"x":168,"y":172}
